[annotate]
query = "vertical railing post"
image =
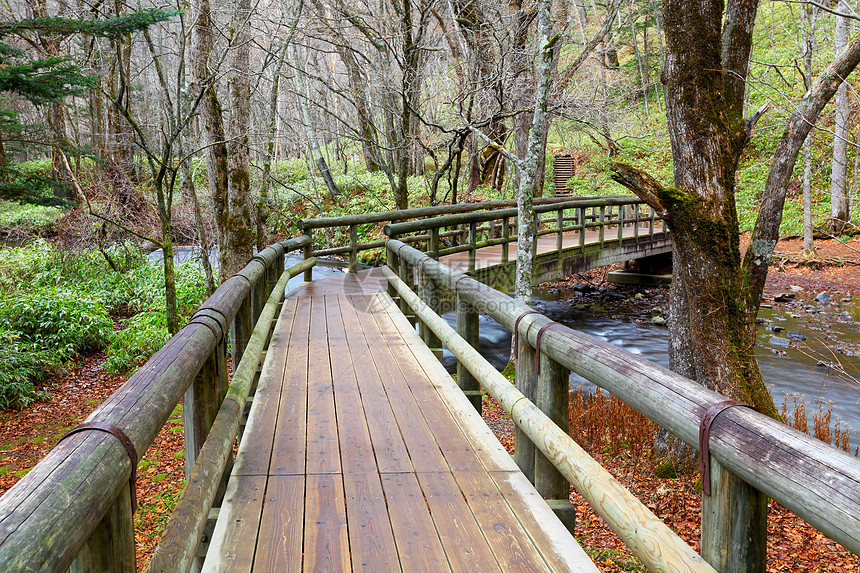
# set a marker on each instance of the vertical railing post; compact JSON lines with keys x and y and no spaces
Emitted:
{"x":506,"y":235}
{"x":602,"y":224}
{"x":434,"y":243}
{"x":430,"y":295}
{"x":621,"y":223}
{"x":734,"y":524}
{"x":406,"y":274}
{"x":393,"y":262}
{"x":307,"y":253}
{"x":467,"y":328}
{"x":201,"y":402}
{"x":651,"y":223}
{"x":111,"y":546}
{"x":553,"y":391}
{"x":353,"y":248}
{"x":473,"y":239}
{"x":559,"y":239}
{"x":524,"y":449}
{"x":259,"y":296}
{"x":240,"y":329}
{"x":636,"y":222}
{"x":581,"y":215}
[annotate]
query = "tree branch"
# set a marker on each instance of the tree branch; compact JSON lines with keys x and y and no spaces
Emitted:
{"x":643,"y":185}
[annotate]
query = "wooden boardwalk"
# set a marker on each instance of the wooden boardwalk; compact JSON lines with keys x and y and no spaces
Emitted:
{"x":361,"y":454}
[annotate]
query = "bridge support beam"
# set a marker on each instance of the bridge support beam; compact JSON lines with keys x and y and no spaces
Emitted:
{"x":553,"y":391}
{"x":524,"y":449}
{"x":111,"y":546}
{"x":468,"y":329}
{"x":734,"y":524}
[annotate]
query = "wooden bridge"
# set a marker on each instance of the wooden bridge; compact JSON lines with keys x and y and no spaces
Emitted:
{"x":357,"y":451}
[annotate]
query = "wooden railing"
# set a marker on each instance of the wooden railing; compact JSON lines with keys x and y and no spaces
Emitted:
{"x":751,"y":455}
{"x":74,"y":508}
{"x":353,"y":222}
{"x":467,"y":232}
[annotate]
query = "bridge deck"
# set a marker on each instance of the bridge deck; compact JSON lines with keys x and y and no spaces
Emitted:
{"x":361,"y":453}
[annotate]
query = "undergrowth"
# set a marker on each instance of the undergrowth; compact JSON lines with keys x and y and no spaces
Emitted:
{"x":57,"y":304}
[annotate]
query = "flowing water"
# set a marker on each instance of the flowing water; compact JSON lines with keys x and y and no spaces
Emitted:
{"x":791,"y":373}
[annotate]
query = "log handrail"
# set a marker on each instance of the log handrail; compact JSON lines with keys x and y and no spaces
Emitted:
{"x":659,"y":548}
{"x":182,"y":534}
{"x":819,"y":483}
{"x":53,"y":512}
{"x":549,"y":219}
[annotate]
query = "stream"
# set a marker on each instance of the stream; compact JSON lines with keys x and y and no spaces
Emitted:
{"x":792,"y":369}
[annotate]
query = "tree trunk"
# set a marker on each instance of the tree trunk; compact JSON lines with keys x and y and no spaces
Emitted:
{"x":366,"y":129}
{"x":839,"y":215}
{"x":212,"y":126}
{"x":238,"y":231}
{"x":307,"y":120}
{"x":527,"y":168}
{"x":263,"y":202}
{"x":807,"y":24}
{"x":715,"y":296}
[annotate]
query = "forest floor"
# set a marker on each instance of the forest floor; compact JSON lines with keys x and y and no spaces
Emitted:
{"x":27,"y":435}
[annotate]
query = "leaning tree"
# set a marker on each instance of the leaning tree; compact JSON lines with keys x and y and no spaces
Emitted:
{"x":716,"y":292}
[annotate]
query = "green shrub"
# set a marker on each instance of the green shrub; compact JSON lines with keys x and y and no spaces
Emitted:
{"x":143,"y":288}
{"x":62,"y":321}
{"x":21,"y":365}
{"x":144,"y":334}
{"x":27,"y":218}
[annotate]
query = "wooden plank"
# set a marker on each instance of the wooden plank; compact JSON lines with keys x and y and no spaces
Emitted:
{"x":326,"y":547}
{"x":490,"y":452}
{"x":455,"y":447}
{"x":255,"y":448}
{"x":279,"y":543}
{"x":323,"y":452}
{"x":420,"y":441}
{"x":415,"y":534}
{"x":550,"y":536}
{"x":233,"y":541}
{"x":288,"y":450}
{"x":461,"y":536}
{"x":507,"y":539}
{"x":356,"y":449}
{"x":391,"y":454}
{"x":371,"y":540}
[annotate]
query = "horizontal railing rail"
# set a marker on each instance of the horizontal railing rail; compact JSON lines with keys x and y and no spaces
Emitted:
{"x":74,"y":508}
{"x":819,"y":483}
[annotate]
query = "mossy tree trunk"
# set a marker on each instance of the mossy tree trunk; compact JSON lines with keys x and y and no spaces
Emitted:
{"x":239,"y":236}
{"x":716,"y":293}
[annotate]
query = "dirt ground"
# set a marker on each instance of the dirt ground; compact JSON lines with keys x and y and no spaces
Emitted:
{"x":839,"y":270}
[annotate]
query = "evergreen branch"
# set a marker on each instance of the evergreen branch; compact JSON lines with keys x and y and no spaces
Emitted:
{"x":103,"y":27}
